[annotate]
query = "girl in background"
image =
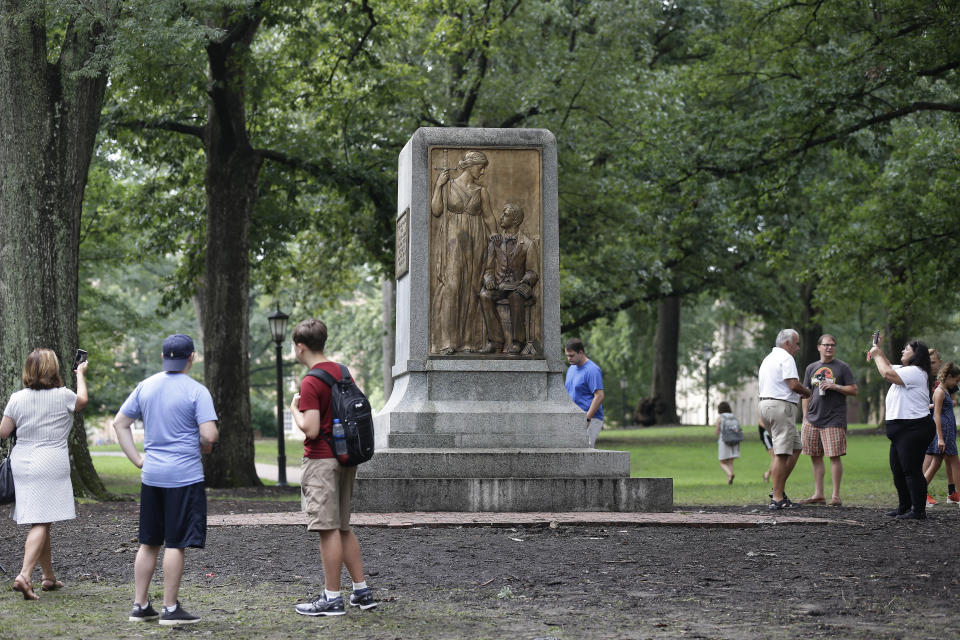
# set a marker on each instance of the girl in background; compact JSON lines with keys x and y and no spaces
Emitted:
{"x":943,"y":447}
{"x":726,"y":452}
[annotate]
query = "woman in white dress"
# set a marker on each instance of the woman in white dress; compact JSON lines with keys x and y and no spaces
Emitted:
{"x":42,"y":414}
{"x":726,"y":453}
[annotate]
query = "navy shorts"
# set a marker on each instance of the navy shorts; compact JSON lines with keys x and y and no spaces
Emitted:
{"x":174,"y":517}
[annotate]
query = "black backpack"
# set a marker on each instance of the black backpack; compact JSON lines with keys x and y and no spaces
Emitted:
{"x":353,"y":409}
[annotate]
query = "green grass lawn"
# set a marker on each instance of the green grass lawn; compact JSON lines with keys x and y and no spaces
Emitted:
{"x":119,"y":476}
{"x":689,"y":456}
{"x":266,"y":451}
{"x":686,"y":454}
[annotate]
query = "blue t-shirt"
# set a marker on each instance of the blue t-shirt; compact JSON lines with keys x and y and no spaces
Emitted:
{"x":582,"y":382}
{"x":172,"y":406}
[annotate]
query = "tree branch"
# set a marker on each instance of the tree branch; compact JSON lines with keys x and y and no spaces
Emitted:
{"x":355,"y":50}
{"x":517,"y":118}
{"x":913,"y":107}
{"x":935,"y":71}
{"x":164,"y":125}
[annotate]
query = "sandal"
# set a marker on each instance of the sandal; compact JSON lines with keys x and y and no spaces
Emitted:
{"x":50,"y":584}
{"x":25,"y":587}
{"x":835,"y":502}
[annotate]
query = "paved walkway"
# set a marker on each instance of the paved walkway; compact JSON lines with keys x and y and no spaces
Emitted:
{"x":270,"y":472}
{"x":265,"y":471}
{"x":467,"y":519}
{"x":463,"y":519}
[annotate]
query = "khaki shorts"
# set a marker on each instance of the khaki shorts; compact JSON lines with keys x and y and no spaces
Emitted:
{"x":824,"y":441}
{"x":327,"y":489}
{"x":780,"y":418}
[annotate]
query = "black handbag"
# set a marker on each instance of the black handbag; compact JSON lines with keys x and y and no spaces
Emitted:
{"x":7,"y":492}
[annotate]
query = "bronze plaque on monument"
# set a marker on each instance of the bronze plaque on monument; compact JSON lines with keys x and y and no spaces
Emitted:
{"x":485,"y":267}
{"x":402,"y":252}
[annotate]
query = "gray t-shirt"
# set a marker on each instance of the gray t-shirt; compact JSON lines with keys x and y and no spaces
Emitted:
{"x":830,"y":409}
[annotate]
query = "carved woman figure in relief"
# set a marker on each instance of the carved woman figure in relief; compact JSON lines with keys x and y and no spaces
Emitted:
{"x":466,"y":222}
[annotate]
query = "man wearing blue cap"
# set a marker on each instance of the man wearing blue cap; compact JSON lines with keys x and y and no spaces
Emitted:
{"x":179,"y":423}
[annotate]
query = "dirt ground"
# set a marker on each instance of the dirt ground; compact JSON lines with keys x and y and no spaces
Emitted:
{"x":875,"y":579}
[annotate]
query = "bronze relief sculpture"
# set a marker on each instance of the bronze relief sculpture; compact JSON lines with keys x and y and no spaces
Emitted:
{"x":484,"y":298}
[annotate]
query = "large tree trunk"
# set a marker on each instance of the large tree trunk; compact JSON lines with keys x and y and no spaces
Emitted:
{"x":231,"y":190}
{"x":48,"y":126}
{"x":665,"y":348}
{"x":809,"y":330}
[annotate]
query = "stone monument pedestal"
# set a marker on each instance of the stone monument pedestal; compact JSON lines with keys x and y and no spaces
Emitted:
{"x":492,"y":431}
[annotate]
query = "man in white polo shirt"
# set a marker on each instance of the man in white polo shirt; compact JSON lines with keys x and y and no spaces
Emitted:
{"x":780,"y":393}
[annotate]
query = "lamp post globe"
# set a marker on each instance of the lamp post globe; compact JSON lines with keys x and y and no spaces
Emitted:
{"x":278,"y":331}
{"x":278,"y":325}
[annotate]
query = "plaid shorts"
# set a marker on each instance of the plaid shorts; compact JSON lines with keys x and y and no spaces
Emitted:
{"x":824,"y":441}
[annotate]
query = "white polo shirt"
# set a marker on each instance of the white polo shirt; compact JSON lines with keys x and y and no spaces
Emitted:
{"x":778,"y":367}
{"x":911,"y":399}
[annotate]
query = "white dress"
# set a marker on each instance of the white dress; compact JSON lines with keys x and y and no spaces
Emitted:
{"x":40,"y":460}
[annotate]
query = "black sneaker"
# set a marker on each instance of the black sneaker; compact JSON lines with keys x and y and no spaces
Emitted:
{"x":322,"y":607}
{"x":363,"y":598}
{"x":143,"y":614}
{"x":177,"y":616}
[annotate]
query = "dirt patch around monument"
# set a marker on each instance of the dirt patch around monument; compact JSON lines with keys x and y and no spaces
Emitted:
{"x":863,"y":575}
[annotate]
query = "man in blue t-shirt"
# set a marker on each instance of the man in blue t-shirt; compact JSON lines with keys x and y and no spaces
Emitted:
{"x":585,"y":386}
{"x":179,"y":423}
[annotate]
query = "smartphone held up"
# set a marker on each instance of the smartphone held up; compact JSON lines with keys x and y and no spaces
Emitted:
{"x":81,"y":357}
{"x":876,"y":341}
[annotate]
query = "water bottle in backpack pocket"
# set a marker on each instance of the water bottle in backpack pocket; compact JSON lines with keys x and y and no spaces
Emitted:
{"x":353,"y":418}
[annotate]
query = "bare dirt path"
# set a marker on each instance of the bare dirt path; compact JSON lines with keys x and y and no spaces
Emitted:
{"x":861,"y":575}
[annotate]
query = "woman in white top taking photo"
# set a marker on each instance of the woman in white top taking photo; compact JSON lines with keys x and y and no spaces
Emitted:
{"x":910,"y":426}
{"x":42,"y":414}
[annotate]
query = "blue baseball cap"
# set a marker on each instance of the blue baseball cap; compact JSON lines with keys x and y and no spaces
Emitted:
{"x":176,"y":352}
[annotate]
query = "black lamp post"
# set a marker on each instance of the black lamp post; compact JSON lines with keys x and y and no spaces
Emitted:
{"x":278,"y":330}
{"x":707,"y":354}
{"x":623,"y":397}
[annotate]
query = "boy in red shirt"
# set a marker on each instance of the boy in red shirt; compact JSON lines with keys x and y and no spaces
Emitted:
{"x":327,"y":486}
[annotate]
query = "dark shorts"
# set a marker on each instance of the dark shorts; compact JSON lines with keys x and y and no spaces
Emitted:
{"x":173,"y":517}
{"x":765,"y":437}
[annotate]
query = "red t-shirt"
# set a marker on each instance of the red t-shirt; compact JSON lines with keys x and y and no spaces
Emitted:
{"x":315,"y":394}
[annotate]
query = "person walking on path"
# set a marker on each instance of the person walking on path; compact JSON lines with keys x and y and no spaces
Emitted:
{"x":42,"y":415}
{"x":824,"y":431}
{"x":943,"y":447}
{"x":909,"y":424}
{"x":726,"y":452}
{"x":179,"y":424}
{"x":584,"y":384}
{"x":327,"y":485}
{"x":780,"y":390}
{"x":767,"y":443}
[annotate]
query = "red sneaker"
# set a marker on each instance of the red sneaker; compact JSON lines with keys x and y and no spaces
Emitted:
{"x":954,"y":497}
{"x":930,"y":500}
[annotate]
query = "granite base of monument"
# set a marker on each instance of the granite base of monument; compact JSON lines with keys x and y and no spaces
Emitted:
{"x":476,"y":421}
{"x":507,"y":480}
